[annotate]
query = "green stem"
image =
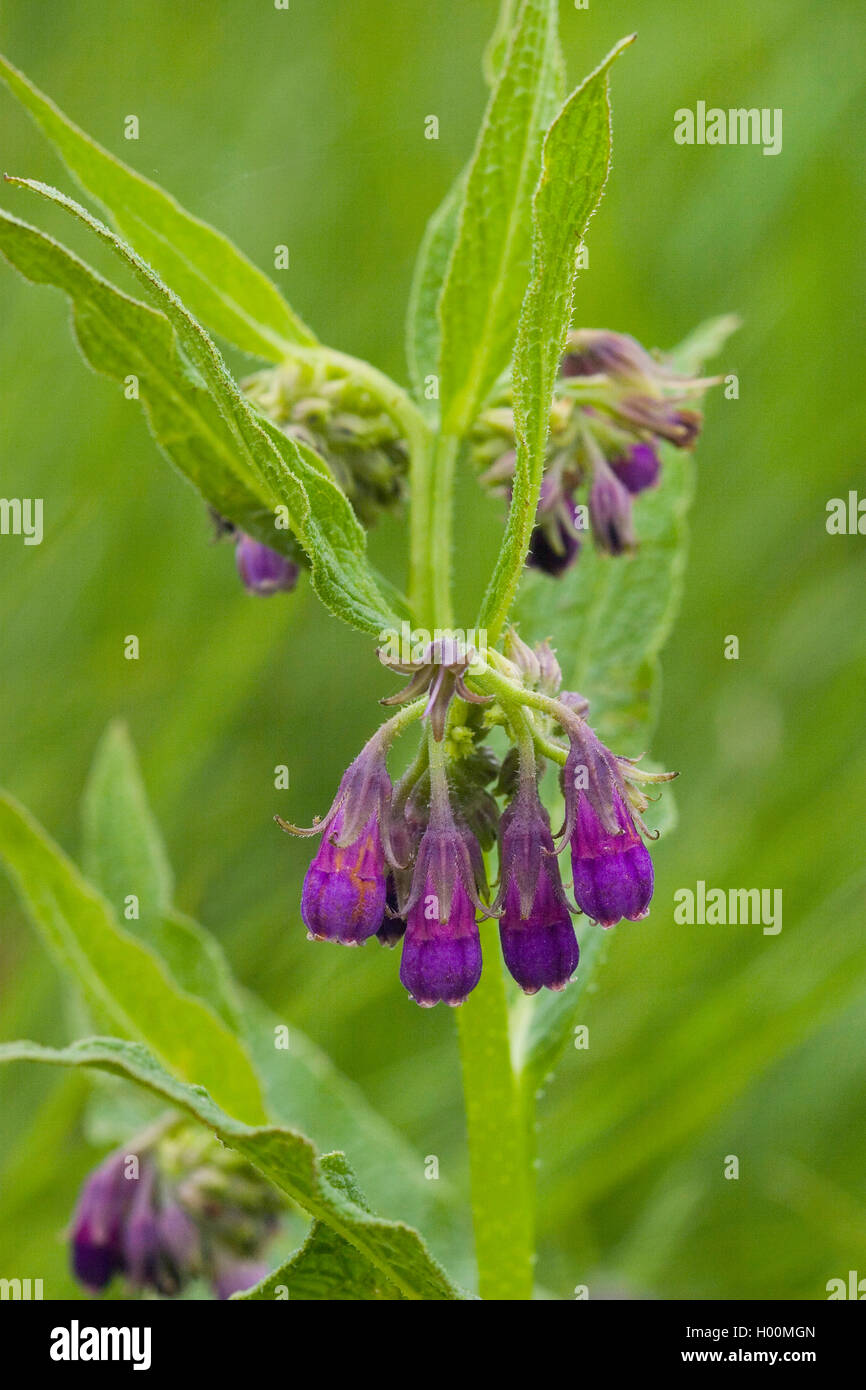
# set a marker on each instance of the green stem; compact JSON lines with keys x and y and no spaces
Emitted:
{"x":499,"y":1167}
{"x":420,"y":532}
{"x":440,"y":539}
{"x":499,"y":1158}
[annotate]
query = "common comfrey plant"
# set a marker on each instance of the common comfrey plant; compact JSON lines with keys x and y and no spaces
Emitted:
{"x":489,"y":800}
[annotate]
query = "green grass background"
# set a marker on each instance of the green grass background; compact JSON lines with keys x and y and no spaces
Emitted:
{"x":306,"y":128}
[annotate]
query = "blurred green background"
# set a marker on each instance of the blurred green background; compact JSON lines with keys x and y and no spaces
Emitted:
{"x":306,"y":127}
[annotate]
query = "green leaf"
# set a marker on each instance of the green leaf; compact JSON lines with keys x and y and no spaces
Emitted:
{"x":288,"y":1159}
{"x":497,"y":45}
{"x":422,"y":317}
{"x":124,"y":852}
{"x":120,"y":338}
{"x":704,"y":343}
{"x":120,"y":977}
{"x":489,"y":267}
{"x":327,"y":1266}
{"x":434,"y":254}
{"x":265,"y":464}
{"x":225,"y":290}
{"x":575,"y":165}
{"x":543,"y":1026}
{"x":304,"y":1088}
{"x":123,"y":848}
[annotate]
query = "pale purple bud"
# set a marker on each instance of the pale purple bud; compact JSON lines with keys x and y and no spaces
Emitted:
{"x":264,"y":571}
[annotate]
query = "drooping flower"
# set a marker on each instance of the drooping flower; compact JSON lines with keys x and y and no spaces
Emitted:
{"x":148,"y":1258}
{"x":264,"y":571}
{"x":172,"y":1207}
{"x":610,"y":511}
{"x":665,"y":419}
{"x":98,"y":1224}
{"x":535,"y":929}
{"x":614,"y":404}
{"x":345,"y":888}
{"x":441,"y":960}
{"x":638,"y":468}
{"x":599,"y":352}
{"x":406,"y":863}
{"x":555,"y":541}
{"x":613,"y":872}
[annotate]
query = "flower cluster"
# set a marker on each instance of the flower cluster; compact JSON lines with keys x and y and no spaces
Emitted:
{"x":172,"y":1207}
{"x":333,"y":413}
{"x":405,"y":861}
{"x":614,"y":407}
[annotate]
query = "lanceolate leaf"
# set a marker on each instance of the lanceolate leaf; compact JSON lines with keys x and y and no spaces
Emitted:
{"x":431,"y":267}
{"x":123,"y":339}
{"x":489,"y":266}
{"x":319,"y":513}
{"x":222,"y":288}
{"x":124,"y":853}
{"x":120,"y":977}
{"x":422,"y":319}
{"x":304,"y":1088}
{"x":497,"y":45}
{"x":265,"y":463}
{"x":123,"y":848}
{"x":575,"y":165}
{"x":289,"y":1160}
{"x":327,"y":1266}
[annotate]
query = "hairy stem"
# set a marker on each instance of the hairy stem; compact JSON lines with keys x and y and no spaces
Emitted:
{"x":440,"y":539}
{"x":499,"y":1158}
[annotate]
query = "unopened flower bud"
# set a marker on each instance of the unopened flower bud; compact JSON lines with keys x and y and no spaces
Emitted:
{"x":555,"y":541}
{"x":610,"y":511}
{"x":639,"y":468}
{"x":264,"y":571}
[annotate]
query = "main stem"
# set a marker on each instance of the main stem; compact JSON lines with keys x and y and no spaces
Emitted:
{"x":499,"y":1159}
{"x":500,"y":1167}
{"x":442,"y":518}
